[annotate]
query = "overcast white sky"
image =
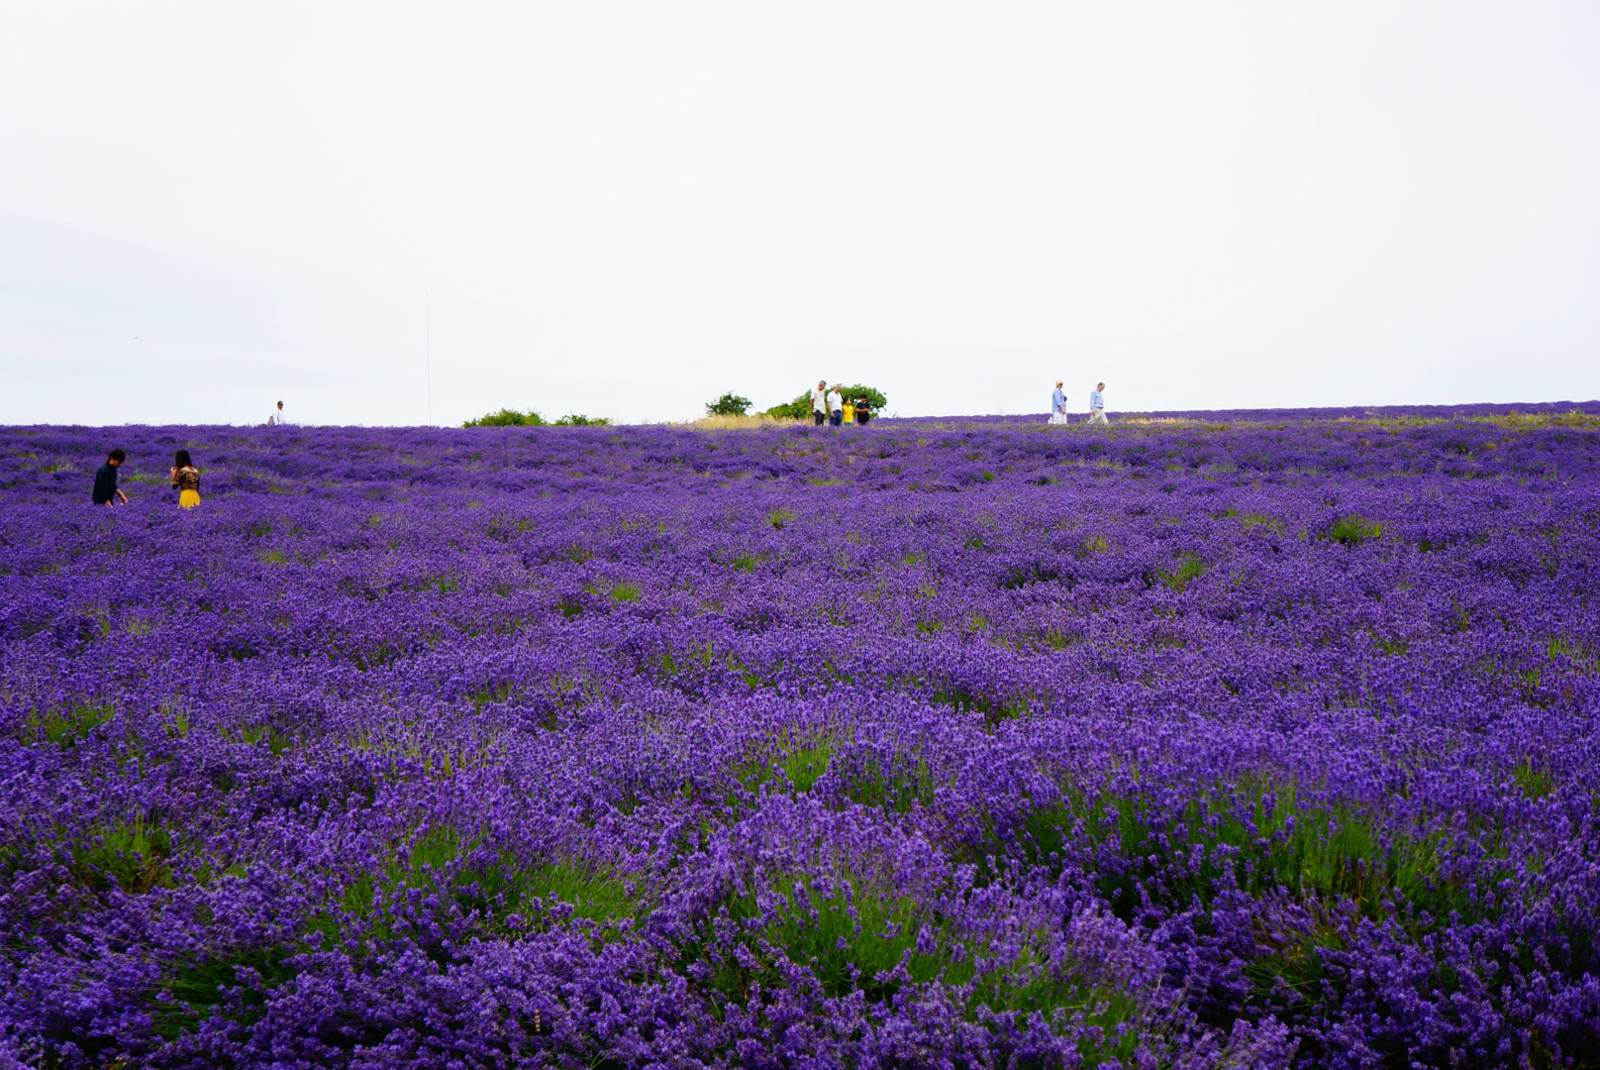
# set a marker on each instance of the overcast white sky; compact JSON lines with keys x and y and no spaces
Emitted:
{"x":624,"y":209}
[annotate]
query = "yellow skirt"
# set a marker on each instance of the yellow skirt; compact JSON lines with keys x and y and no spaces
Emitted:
{"x":188,"y":499}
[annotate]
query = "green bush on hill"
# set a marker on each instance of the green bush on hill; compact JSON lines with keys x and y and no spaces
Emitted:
{"x":513,"y":418}
{"x":507,"y":418}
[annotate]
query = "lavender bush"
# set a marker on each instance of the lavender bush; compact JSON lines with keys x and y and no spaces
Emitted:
{"x":919,"y":744}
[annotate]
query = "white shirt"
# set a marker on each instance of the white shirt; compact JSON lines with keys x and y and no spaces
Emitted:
{"x":819,"y":400}
{"x":835,"y":401}
{"x":275,"y":419}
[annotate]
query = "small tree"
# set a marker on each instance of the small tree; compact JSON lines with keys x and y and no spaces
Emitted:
{"x":729,"y":404}
{"x":573,"y":419}
{"x":875,"y":397}
{"x":800,"y":407}
{"x":507,"y":418}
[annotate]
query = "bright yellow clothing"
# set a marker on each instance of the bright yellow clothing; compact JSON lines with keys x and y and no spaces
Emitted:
{"x":849,"y":413}
{"x":188,"y":499}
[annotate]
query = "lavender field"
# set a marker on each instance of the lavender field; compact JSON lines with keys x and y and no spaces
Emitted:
{"x":1260,"y":743}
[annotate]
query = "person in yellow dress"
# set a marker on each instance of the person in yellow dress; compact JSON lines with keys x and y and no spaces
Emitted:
{"x":185,"y":480}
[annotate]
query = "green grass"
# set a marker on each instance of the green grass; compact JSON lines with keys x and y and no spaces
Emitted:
{"x":848,"y":935}
{"x":780,"y":518}
{"x":1353,"y":530}
{"x":854,"y":935}
{"x":251,"y":735}
{"x":993,"y":709}
{"x":482,"y":696}
{"x":906,"y":784}
{"x":745,"y":562}
{"x":801,"y":763}
{"x":1534,"y":781}
{"x":196,"y":987}
{"x":66,"y":727}
{"x":131,"y":855}
{"x":1260,"y":837}
{"x":451,"y":874}
{"x":1190,"y":567}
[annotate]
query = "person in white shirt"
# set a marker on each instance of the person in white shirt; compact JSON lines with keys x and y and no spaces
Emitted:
{"x":278,"y":419}
{"x":819,"y":404}
{"x":1058,"y":405}
{"x":835,"y":406}
{"x":1097,"y":405}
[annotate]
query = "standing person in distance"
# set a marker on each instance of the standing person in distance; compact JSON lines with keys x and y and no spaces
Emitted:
{"x":1058,"y":405}
{"x":863,"y":410}
{"x":819,"y":404}
{"x":835,"y":406}
{"x":1097,"y":405}
{"x":278,"y":419}
{"x":185,"y":480}
{"x":106,"y":491}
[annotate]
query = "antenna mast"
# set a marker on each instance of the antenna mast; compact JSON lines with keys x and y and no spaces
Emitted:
{"x":427,"y":347}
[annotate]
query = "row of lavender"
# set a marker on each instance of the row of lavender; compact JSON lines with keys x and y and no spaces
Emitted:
{"x":912,"y":745}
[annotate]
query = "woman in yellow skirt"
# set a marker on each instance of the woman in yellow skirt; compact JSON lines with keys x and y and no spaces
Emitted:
{"x":185,"y":480}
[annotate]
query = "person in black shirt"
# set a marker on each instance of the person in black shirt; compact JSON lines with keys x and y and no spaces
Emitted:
{"x":106,"y":491}
{"x":863,"y":410}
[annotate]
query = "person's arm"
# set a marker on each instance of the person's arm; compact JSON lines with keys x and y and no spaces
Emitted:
{"x":121,"y":496}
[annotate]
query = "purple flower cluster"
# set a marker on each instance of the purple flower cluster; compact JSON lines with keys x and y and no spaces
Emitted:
{"x":920,"y":744}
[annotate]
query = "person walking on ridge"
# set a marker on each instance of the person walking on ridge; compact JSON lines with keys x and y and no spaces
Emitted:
{"x":278,"y":419}
{"x":185,"y":480}
{"x":1097,"y":405}
{"x":835,"y":406}
{"x":1058,"y":405}
{"x":819,"y":404}
{"x":106,"y":491}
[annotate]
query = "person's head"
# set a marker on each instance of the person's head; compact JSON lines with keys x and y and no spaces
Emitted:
{"x":1099,"y":386}
{"x":1058,"y":384}
{"x":181,"y":460}
{"x":822,"y":384}
{"x":280,"y":406}
{"x":116,"y":457}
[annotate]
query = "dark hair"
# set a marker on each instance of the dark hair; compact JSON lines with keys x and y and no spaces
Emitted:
{"x":181,"y":460}
{"x":117,"y":455}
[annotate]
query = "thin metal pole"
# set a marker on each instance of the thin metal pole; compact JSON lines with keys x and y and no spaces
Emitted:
{"x":427,"y":347}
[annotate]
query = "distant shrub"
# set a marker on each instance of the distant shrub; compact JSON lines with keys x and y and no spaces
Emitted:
{"x":576,"y":420}
{"x":507,"y":418}
{"x":729,"y":404}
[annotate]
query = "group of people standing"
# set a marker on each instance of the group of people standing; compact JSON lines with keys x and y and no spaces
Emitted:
{"x":1097,"y":405}
{"x":183,"y":473}
{"x":830,"y":406}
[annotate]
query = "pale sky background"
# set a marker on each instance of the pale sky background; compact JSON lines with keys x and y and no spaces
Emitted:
{"x":624,"y":209}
